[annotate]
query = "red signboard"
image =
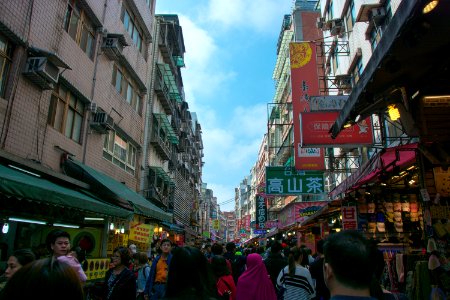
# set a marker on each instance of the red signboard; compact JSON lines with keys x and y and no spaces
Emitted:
{"x":349,"y":218}
{"x":315,"y":127}
{"x":305,"y":83}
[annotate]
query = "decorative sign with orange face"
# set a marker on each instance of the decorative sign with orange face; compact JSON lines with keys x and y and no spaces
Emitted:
{"x":300,"y":54}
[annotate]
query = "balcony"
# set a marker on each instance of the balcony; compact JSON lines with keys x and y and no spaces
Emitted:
{"x":161,"y":145}
{"x":162,"y":91}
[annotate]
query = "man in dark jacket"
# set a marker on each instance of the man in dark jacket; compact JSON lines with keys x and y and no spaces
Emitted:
{"x":316,"y":270}
{"x":275,"y":262}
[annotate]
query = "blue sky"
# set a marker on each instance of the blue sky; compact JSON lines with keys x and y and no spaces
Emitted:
{"x":230,"y":57}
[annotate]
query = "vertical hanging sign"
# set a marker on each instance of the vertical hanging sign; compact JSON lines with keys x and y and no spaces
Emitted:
{"x":305,"y":83}
{"x":261,"y":212}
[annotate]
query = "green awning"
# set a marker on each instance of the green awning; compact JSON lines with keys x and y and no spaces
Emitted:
{"x":161,"y":173}
{"x":22,"y":185}
{"x":174,"y":92}
{"x":141,"y":205}
{"x":165,"y":124}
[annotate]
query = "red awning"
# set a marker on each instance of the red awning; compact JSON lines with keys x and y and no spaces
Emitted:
{"x":385,"y":160}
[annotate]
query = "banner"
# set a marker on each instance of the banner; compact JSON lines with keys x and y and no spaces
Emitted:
{"x":307,"y":209}
{"x":305,"y":82}
{"x":349,"y":217}
{"x":315,"y":127}
{"x":261,"y":212}
{"x":288,"y":181}
{"x":140,"y":232}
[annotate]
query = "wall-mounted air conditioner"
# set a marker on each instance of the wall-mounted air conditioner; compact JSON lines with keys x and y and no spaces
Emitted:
{"x":320,"y":23}
{"x":113,"y":45}
{"x":41,"y":71}
{"x":336,"y":26}
{"x":102,"y":122}
{"x":377,"y":15}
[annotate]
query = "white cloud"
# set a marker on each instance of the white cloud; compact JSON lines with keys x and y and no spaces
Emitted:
{"x":259,"y":15}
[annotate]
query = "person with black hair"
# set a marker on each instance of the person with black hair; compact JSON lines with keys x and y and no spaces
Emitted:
{"x":189,"y":276}
{"x":226,"y":287}
{"x":58,"y":242}
{"x":348,"y":265}
{"x":17,"y":260}
{"x":316,"y":270}
{"x":72,"y":260}
{"x":46,"y":278}
{"x":120,"y":282}
{"x":295,"y":277}
{"x":275,"y":262}
{"x":156,"y":283}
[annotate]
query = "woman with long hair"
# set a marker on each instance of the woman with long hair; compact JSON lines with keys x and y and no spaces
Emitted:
{"x":226,"y":289}
{"x":296,"y":278}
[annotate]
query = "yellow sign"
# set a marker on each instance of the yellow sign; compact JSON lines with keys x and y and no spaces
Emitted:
{"x":96,"y":268}
{"x":216,"y":224}
{"x":140,"y":232}
{"x":300,"y":54}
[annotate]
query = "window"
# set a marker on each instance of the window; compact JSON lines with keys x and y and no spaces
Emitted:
{"x":119,"y":151}
{"x":125,"y":87}
{"x":330,"y":11}
{"x":130,"y":25}
{"x":150,"y":4}
{"x":79,"y":27}
{"x":388,"y":9}
{"x":375,"y":37}
{"x":357,"y":70}
{"x":66,"y":113}
{"x":351,"y":16}
{"x":5,"y":63}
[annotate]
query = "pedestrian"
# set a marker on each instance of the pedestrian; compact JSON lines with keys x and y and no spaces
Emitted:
{"x":348,"y":265}
{"x":275,"y":262}
{"x":17,"y":260}
{"x":143,"y":273}
{"x":316,"y":270}
{"x":155,"y":287}
{"x":190,"y":276}
{"x":47,"y":279}
{"x":208,"y":251}
{"x":58,"y":242}
{"x":217,"y":249}
{"x":226,"y":288}
{"x":295,"y":278}
{"x":254,"y":283}
{"x":72,"y":260}
{"x":120,"y":282}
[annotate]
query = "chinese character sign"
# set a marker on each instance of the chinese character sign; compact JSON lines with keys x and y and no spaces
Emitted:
{"x":349,"y":217}
{"x":141,"y":233}
{"x":261,"y":212}
{"x":289,"y":181}
{"x":305,"y":83}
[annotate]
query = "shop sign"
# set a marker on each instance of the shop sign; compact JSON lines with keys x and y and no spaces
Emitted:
{"x":328,"y":103}
{"x":315,"y":127}
{"x":305,"y":83}
{"x":261,"y":212}
{"x":259,"y":231}
{"x":206,"y":234}
{"x":349,"y":217}
{"x":247,"y":222}
{"x":307,"y":209}
{"x":286,"y":216}
{"x":215,"y":224}
{"x":140,"y":232}
{"x":271,"y":223}
{"x":310,"y":158}
{"x":289,"y":181}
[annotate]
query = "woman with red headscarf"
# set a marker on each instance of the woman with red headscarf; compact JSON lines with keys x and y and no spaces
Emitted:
{"x":254,"y":283}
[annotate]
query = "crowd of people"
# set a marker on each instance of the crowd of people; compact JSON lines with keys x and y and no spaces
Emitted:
{"x":345,"y":266}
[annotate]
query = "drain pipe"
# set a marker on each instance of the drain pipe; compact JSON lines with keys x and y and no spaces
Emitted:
{"x":149,"y":110}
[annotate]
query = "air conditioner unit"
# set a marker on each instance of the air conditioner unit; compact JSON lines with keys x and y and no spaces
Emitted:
{"x":112,"y":46}
{"x":102,"y":122}
{"x":336,"y":27}
{"x":320,"y":23}
{"x":92,"y":107}
{"x":41,"y":71}
{"x":377,"y":14}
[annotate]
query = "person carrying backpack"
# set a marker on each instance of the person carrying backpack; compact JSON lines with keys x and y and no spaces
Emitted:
{"x":143,"y":272}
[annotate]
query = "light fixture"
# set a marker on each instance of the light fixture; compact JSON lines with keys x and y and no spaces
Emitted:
{"x":160,"y":229}
{"x":168,"y":234}
{"x":430,"y":6}
{"x":347,"y":125}
{"x":394,"y":114}
{"x":93,"y":219}
{"x":111,"y":226}
{"x":5,"y":228}
{"x":26,"y":221}
{"x":357,"y":118}
{"x":273,"y":238}
{"x":66,"y":225}
{"x":337,"y":229}
{"x":122,"y":229}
